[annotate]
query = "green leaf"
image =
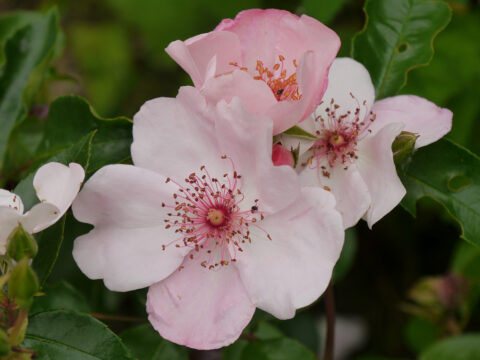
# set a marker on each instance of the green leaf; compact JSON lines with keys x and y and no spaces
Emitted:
{"x":398,"y":36}
{"x":465,"y":347}
{"x":61,"y":296}
{"x":450,"y":175}
{"x":26,"y":50}
{"x":60,"y":335}
{"x":50,"y":240}
{"x":323,"y":10}
{"x":71,"y":118}
{"x":270,"y":344}
{"x":299,"y":132}
{"x":146,"y":344}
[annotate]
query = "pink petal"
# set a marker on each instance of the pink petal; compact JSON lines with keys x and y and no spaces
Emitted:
{"x":376,"y":166}
{"x":293,"y":269}
{"x":350,"y":191}
{"x":126,"y":247}
{"x":9,"y":220}
{"x":348,"y":77}
{"x":255,"y":95}
{"x":58,"y":185}
{"x":282,"y":156}
{"x":174,"y":137}
{"x":200,"y":308}
{"x":419,"y":116}
{"x":247,"y":139}
{"x":196,"y":54}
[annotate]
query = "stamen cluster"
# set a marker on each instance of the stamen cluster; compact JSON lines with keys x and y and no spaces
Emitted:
{"x":283,"y":87}
{"x":338,"y":135}
{"x":206,"y":214}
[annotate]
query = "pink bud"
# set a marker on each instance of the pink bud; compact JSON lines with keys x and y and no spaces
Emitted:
{"x":281,"y":156}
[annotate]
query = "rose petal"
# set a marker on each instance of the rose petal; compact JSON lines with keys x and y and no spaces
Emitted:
{"x":11,"y":200}
{"x":376,"y":166}
{"x":293,"y":269}
{"x":174,"y":137}
{"x":247,"y":139}
{"x":195,"y":54}
{"x":58,"y":185}
{"x":200,"y":308}
{"x":419,"y":116}
{"x":40,"y":217}
{"x":348,"y":77}
{"x":9,"y":220}
{"x":126,"y":248}
{"x":347,"y":185}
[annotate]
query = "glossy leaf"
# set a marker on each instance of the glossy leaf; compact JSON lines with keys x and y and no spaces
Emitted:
{"x":398,"y":36}
{"x":61,"y":296}
{"x":50,"y":241}
{"x":465,"y":347}
{"x":71,"y":118}
{"x":60,"y":335}
{"x":27,"y":49}
{"x":449,"y":174}
{"x":146,"y":344}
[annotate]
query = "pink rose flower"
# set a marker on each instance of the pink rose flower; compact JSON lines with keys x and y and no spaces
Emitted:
{"x":276,"y":62}
{"x":352,"y":155}
{"x":56,"y":185}
{"x":208,"y":222}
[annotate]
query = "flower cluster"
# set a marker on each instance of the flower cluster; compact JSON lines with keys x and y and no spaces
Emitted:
{"x":216,"y":217}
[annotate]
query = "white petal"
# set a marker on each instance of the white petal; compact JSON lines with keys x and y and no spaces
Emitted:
{"x":375,"y":164}
{"x":40,"y":217}
{"x":293,"y":269}
{"x":9,"y":220}
{"x":347,"y":185}
{"x":11,"y":200}
{"x":348,"y":77}
{"x":57,"y":185}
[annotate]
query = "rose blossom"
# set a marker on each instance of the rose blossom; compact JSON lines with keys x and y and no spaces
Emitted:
{"x":275,"y":61}
{"x":208,"y":222}
{"x":352,"y":155}
{"x":56,"y":185}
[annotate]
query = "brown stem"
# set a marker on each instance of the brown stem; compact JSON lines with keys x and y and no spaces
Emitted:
{"x":330,"y":311}
{"x":17,"y":328}
{"x":117,"y":318}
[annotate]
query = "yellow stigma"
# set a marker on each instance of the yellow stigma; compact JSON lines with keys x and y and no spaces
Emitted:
{"x":336,"y":140}
{"x":215,"y":217}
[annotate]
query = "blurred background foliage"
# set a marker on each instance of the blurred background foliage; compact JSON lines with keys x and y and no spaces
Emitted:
{"x":399,"y":288}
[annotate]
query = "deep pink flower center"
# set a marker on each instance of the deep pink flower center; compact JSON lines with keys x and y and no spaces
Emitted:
{"x":283,"y":87}
{"x":338,"y":134}
{"x":207,"y":215}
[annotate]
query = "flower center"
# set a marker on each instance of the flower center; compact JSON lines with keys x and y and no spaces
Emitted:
{"x":338,"y":134}
{"x":216,"y":217}
{"x":283,"y":87}
{"x":207,"y":215}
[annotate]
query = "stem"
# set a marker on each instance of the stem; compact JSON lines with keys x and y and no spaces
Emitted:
{"x":118,"y":318}
{"x":17,"y":328}
{"x":330,"y":311}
